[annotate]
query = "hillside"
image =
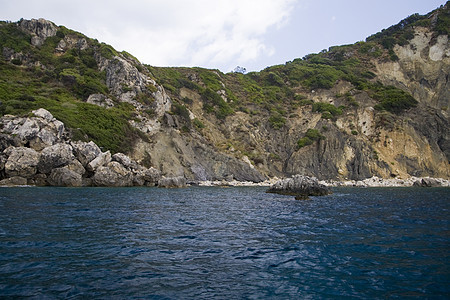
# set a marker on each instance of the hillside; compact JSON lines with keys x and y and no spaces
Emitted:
{"x":378,"y":107}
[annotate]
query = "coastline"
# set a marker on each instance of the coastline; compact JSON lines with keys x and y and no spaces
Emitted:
{"x":368,"y":182}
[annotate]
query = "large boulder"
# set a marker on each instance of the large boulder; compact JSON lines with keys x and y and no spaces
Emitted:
{"x":86,"y":152}
{"x":55,"y":156}
{"x":300,"y":186}
{"x":112,"y":174}
{"x":64,"y":177}
{"x":172,"y":182}
{"x":21,"y":162}
{"x":13,"y":181}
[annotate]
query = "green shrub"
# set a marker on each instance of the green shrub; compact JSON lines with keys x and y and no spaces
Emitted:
{"x":181,"y":110}
{"x":213,"y":102}
{"x":197,"y":123}
{"x":392,"y":99}
{"x":328,"y":110}
{"x":277,"y":121}
{"x":310,"y":137}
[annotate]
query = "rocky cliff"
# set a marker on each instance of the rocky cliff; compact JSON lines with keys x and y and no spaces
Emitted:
{"x":375,"y":108}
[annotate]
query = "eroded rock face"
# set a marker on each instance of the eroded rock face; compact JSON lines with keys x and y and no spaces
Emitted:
{"x":21,"y":162}
{"x":299,"y":186}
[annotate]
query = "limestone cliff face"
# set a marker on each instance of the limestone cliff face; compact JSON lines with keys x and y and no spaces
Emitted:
{"x":422,"y":68}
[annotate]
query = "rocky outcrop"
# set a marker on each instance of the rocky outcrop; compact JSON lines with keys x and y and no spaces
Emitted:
{"x":39,"y":29}
{"x":63,"y":162}
{"x":300,"y":186}
{"x":37,"y":131}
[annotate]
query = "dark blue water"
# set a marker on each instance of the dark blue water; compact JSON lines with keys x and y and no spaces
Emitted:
{"x":223,"y":243}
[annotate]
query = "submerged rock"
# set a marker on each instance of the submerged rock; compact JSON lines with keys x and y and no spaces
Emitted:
{"x":299,"y":186}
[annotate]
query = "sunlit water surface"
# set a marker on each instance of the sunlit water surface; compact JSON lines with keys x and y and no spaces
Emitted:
{"x":223,"y":243}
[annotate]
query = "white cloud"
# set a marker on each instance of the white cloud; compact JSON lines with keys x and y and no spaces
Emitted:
{"x":215,"y":34}
{"x":208,"y":33}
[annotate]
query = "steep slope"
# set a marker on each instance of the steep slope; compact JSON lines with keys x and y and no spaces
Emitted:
{"x":378,"y":107}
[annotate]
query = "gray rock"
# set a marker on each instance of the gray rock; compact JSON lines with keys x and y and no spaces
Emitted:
{"x":64,"y":177}
{"x":122,"y":159}
{"x":21,"y":162}
{"x":299,"y":186}
{"x":86,"y":152}
{"x":43,"y":113}
{"x":55,"y":156}
{"x":427,"y":182}
{"x":39,"y":29}
{"x":77,"y":167}
{"x":100,"y":100}
{"x":172,"y":182}
{"x":99,"y":161}
{"x":13,"y":181}
{"x":113,"y":174}
{"x":39,"y":180}
{"x":151,"y":176}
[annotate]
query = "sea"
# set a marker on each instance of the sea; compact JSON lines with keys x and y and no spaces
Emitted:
{"x":223,"y":243}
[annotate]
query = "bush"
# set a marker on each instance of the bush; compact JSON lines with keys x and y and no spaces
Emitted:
{"x":212,"y":102}
{"x":393,"y":99}
{"x":277,"y":121}
{"x":310,"y":137}
{"x":328,"y":110}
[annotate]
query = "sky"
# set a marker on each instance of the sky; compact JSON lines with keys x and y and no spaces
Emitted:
{"x":220,"y":34}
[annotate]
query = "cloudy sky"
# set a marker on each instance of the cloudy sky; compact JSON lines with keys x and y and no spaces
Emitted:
{"x":220,"y":34}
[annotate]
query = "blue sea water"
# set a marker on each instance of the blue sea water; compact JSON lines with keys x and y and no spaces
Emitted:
{"x":223,"y":243}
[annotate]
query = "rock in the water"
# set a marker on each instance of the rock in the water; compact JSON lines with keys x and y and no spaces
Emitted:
{"x":13,"y":181}
{"x":64,"y":177}
{"x":427,"y":182}
{"x":172,"y":182}
{"x":113,"y":174}
{"x":55,"y":156}
{"x":151,"y":176}
{"x":21,"y":162}
{"x":299,"y":186}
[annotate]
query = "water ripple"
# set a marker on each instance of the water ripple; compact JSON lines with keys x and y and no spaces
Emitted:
{"x":203,"y":243}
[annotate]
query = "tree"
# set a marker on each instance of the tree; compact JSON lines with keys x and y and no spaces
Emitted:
{"x":239,"y":69}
